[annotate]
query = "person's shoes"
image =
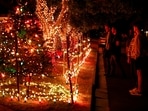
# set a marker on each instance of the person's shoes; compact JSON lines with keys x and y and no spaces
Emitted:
{"x":132,"y":90}
{"x":135,"y":92}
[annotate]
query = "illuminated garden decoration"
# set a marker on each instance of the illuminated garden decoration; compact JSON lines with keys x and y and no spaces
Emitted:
{"x":23,"y":54}
{"x":41,"y":55}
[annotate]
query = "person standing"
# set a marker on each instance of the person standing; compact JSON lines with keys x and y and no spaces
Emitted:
{"x":107,"y":28}
{"x":115,"y":50}
{"x":136,"y":56}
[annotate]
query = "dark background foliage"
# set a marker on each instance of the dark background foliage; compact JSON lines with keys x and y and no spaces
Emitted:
{"x":92,"y":14}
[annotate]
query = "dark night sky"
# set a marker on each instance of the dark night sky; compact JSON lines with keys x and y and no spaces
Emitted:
{"x":6,"y":5}
{"x":3,"y":10}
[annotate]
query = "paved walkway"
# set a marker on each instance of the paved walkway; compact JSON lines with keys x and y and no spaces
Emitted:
{"x":101,"y":93}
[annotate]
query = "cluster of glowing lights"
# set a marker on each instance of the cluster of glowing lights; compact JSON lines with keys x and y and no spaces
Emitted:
{"x":76,"y":62}
{"x":78,"y":51}
{"x":44,"y":91}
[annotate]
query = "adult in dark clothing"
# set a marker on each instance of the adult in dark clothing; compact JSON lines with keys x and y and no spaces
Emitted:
{"x":115,"y":50}
{"x":106,"y":53}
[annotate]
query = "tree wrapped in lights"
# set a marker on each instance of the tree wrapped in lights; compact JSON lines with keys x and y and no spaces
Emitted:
{"x":22,"y":51}
{"x":23,"y":39}
{"x":62,"y":37}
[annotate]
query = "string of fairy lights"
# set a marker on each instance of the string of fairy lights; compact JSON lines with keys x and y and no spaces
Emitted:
{"x":40,"y":59}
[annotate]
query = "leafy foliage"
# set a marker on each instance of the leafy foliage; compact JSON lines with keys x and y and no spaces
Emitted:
{"x":84,"y":14}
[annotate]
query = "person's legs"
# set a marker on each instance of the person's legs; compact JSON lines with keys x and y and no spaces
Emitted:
{"x":107,"y":62}
{"x":112,"y":65}
{"x":133,"y":70}
{"x":138,"y":90}
{"x":119,"y":64}
{"x":139,"y":80}
{"x":138,"y":64}
{"x":108,"y":65}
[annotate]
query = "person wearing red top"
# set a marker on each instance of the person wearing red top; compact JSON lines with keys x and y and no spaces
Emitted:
{"x":135,"y":55}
